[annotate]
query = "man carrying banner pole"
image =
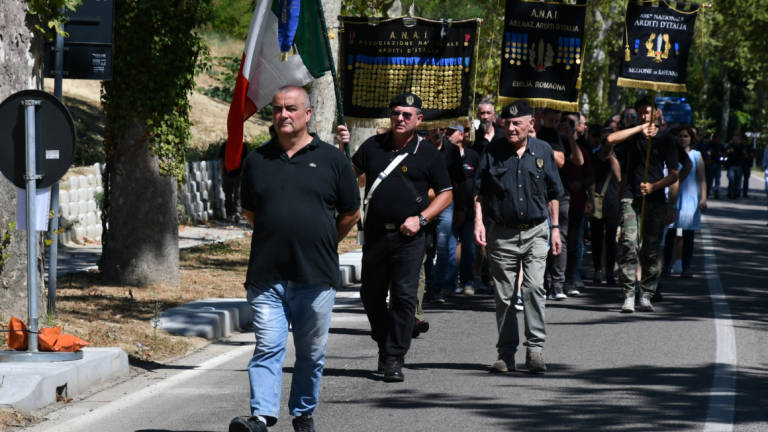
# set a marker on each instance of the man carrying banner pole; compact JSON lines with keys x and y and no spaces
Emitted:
{"x":644,"y":153}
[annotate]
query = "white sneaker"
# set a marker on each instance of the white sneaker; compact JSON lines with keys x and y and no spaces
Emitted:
{"x":629,"y":304}
{"x":469,"y":290}
{"x":645,"y":304}
{"x":571,"y":290}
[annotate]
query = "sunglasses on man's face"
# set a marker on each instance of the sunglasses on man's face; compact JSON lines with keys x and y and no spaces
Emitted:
{"x":406,"y":115}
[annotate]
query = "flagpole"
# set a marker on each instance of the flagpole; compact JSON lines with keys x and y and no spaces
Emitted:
{"x":647,"y":161}
{"x":339,"y":102}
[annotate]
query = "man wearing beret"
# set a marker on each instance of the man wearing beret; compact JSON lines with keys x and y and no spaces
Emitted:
{"x":397,"y":209}
{"x":516,"y":187}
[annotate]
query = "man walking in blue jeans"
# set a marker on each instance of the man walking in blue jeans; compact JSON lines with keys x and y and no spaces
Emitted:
{"x":301,"y":197}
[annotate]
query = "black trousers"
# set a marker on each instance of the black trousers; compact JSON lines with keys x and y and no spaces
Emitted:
{"x":604,"y":230}
{"x":391,"y":264}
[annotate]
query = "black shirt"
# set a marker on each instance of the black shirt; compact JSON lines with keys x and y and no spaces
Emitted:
{"x":481,"y":143}
{"x":602,"y":169}
{"x":559,"y":143}
{"x":452,"y":159}
{"x":295,"y":201}
{"x":631,"y":156}
{"x":516,"y":190}
{"x":404,"y":192}
{"x":469,"y":162}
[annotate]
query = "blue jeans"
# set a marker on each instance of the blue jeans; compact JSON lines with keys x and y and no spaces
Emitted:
{"x":444,"y":272}
{"x":307,"y":309}
{"x":734,"y":181}
{"x":466,"y":234}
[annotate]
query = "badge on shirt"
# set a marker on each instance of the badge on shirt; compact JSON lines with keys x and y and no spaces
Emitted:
{"x":404,"y":168}
{"x":540,"y":163}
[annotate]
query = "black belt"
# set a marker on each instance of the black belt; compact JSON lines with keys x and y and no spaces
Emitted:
{"x":525,"y":226}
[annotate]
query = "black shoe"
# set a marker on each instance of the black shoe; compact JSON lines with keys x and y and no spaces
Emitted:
{"x":303,"y":423}
{"x":247,"y":424}
{"x":381,"y":364}
{"x":657,"y":297}
{"x":434,"y":298}
{"x":393,"y":371}
{"x":420,"y":327}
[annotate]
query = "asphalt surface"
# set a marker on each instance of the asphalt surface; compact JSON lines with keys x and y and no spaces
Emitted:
{"x":698,"y":363}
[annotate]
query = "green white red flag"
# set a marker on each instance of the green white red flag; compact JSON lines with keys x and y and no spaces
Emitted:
{"x":285,"y":46}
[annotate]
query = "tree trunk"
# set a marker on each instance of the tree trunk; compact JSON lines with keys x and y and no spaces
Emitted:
{"x":18,"y":49}
{"x":323,"y":95}
{"x":725,"y":111}
{"x":142,"y":243}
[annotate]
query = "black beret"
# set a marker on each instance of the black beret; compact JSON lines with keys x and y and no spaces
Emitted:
{"x":405,"y":100}
{"x":518,"y":108}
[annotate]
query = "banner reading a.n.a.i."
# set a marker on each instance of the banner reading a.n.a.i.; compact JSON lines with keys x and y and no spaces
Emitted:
{"x":542,"y":52}
{"x":383,"y":58}
{"x":656,"y":45}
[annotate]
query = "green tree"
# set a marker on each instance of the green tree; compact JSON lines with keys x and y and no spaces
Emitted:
{"x":157,"y":47}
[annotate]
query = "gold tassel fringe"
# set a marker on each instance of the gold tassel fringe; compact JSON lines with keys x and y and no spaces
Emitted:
{"x":542,"y":103}
{"x":651,"y":85}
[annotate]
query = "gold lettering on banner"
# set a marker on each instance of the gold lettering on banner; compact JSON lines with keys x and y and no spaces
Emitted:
{"x":544,"y":14}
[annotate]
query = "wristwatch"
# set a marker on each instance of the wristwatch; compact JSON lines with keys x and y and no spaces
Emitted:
{"x":554,"y":226}
{"x":422,"y":220}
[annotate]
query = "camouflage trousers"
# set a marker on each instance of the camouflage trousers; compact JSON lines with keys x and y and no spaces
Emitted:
{"x":634,"y":251}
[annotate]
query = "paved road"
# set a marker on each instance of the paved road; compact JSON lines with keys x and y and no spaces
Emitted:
{"x":697,"y":363}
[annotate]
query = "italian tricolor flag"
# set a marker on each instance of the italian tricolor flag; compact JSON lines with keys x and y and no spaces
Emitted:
{"x":285,"y":46}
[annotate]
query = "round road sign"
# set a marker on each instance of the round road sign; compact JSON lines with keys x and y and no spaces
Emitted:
{"x":54,"y":138}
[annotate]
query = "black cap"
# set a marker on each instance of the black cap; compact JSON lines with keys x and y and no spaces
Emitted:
{"x":406,"y":99}
{"x":518,"y":108}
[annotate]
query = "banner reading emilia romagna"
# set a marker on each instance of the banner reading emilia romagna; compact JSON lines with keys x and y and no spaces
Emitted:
{"x":381,"y":59}
{"x":543,"y":49}
{"x":656,"y":46}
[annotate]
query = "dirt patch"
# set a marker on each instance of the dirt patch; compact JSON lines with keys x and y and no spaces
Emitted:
{"x":120,"y":316}
{"x":14,"y":419}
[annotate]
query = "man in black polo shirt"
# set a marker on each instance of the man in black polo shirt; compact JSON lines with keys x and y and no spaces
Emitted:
{"x":396,"y":212}
{"x":516,"y":187}
{"x":630,"y":146}
{"x":300,"y":196}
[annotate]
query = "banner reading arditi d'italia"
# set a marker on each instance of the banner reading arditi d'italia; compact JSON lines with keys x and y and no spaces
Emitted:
{"x":656,"y":44}
{"x":381,"y":59}
{"x":542,"y":52}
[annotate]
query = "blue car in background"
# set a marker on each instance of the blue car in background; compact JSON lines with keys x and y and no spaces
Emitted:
{"x":675,"y":109}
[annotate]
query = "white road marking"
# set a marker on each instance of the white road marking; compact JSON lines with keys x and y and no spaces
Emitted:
{"x":84,"y":422}
{"x":723,"y":392}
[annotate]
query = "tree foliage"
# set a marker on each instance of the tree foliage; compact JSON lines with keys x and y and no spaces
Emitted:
{"x":158,"y":47}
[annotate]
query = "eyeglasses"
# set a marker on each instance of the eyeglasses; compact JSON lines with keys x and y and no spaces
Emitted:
{"x":406,"y":115}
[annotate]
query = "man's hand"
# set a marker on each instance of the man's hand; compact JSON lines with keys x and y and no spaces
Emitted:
{"x":589,"y":206}
{"x":342,"y":137}
{"x":557,"y":242}
{"x":480,"y":233}
{"x":646,"y":188}
{"x":703,"y":203}
{"x":650,"y":130}
{"x":411,"y":226}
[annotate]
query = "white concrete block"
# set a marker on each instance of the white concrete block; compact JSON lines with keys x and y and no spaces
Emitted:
{"x":82,"y":181}
{"x":78,"y":233}
{"x":74,"y":183}
{"x":63,"y":196}
{"x":92,"y":206}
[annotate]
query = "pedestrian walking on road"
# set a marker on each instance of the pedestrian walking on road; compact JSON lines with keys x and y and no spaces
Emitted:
{"x":516,"y":187}
{"x":691,"y":201}
{"x":400,"y":168}
{"x":300,"y":196}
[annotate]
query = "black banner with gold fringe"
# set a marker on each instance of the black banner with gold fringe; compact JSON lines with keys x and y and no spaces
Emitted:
{"x":381,"y":58}
{"x":657,"y":40}
{"x":543,"y":49}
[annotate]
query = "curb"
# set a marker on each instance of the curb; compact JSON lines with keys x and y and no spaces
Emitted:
{"x":217,"y":318}
{"x":30,"y":386}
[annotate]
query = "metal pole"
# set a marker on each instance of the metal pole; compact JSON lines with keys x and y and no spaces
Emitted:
{"x":53,"y":230}
{"x":31,"y":177}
